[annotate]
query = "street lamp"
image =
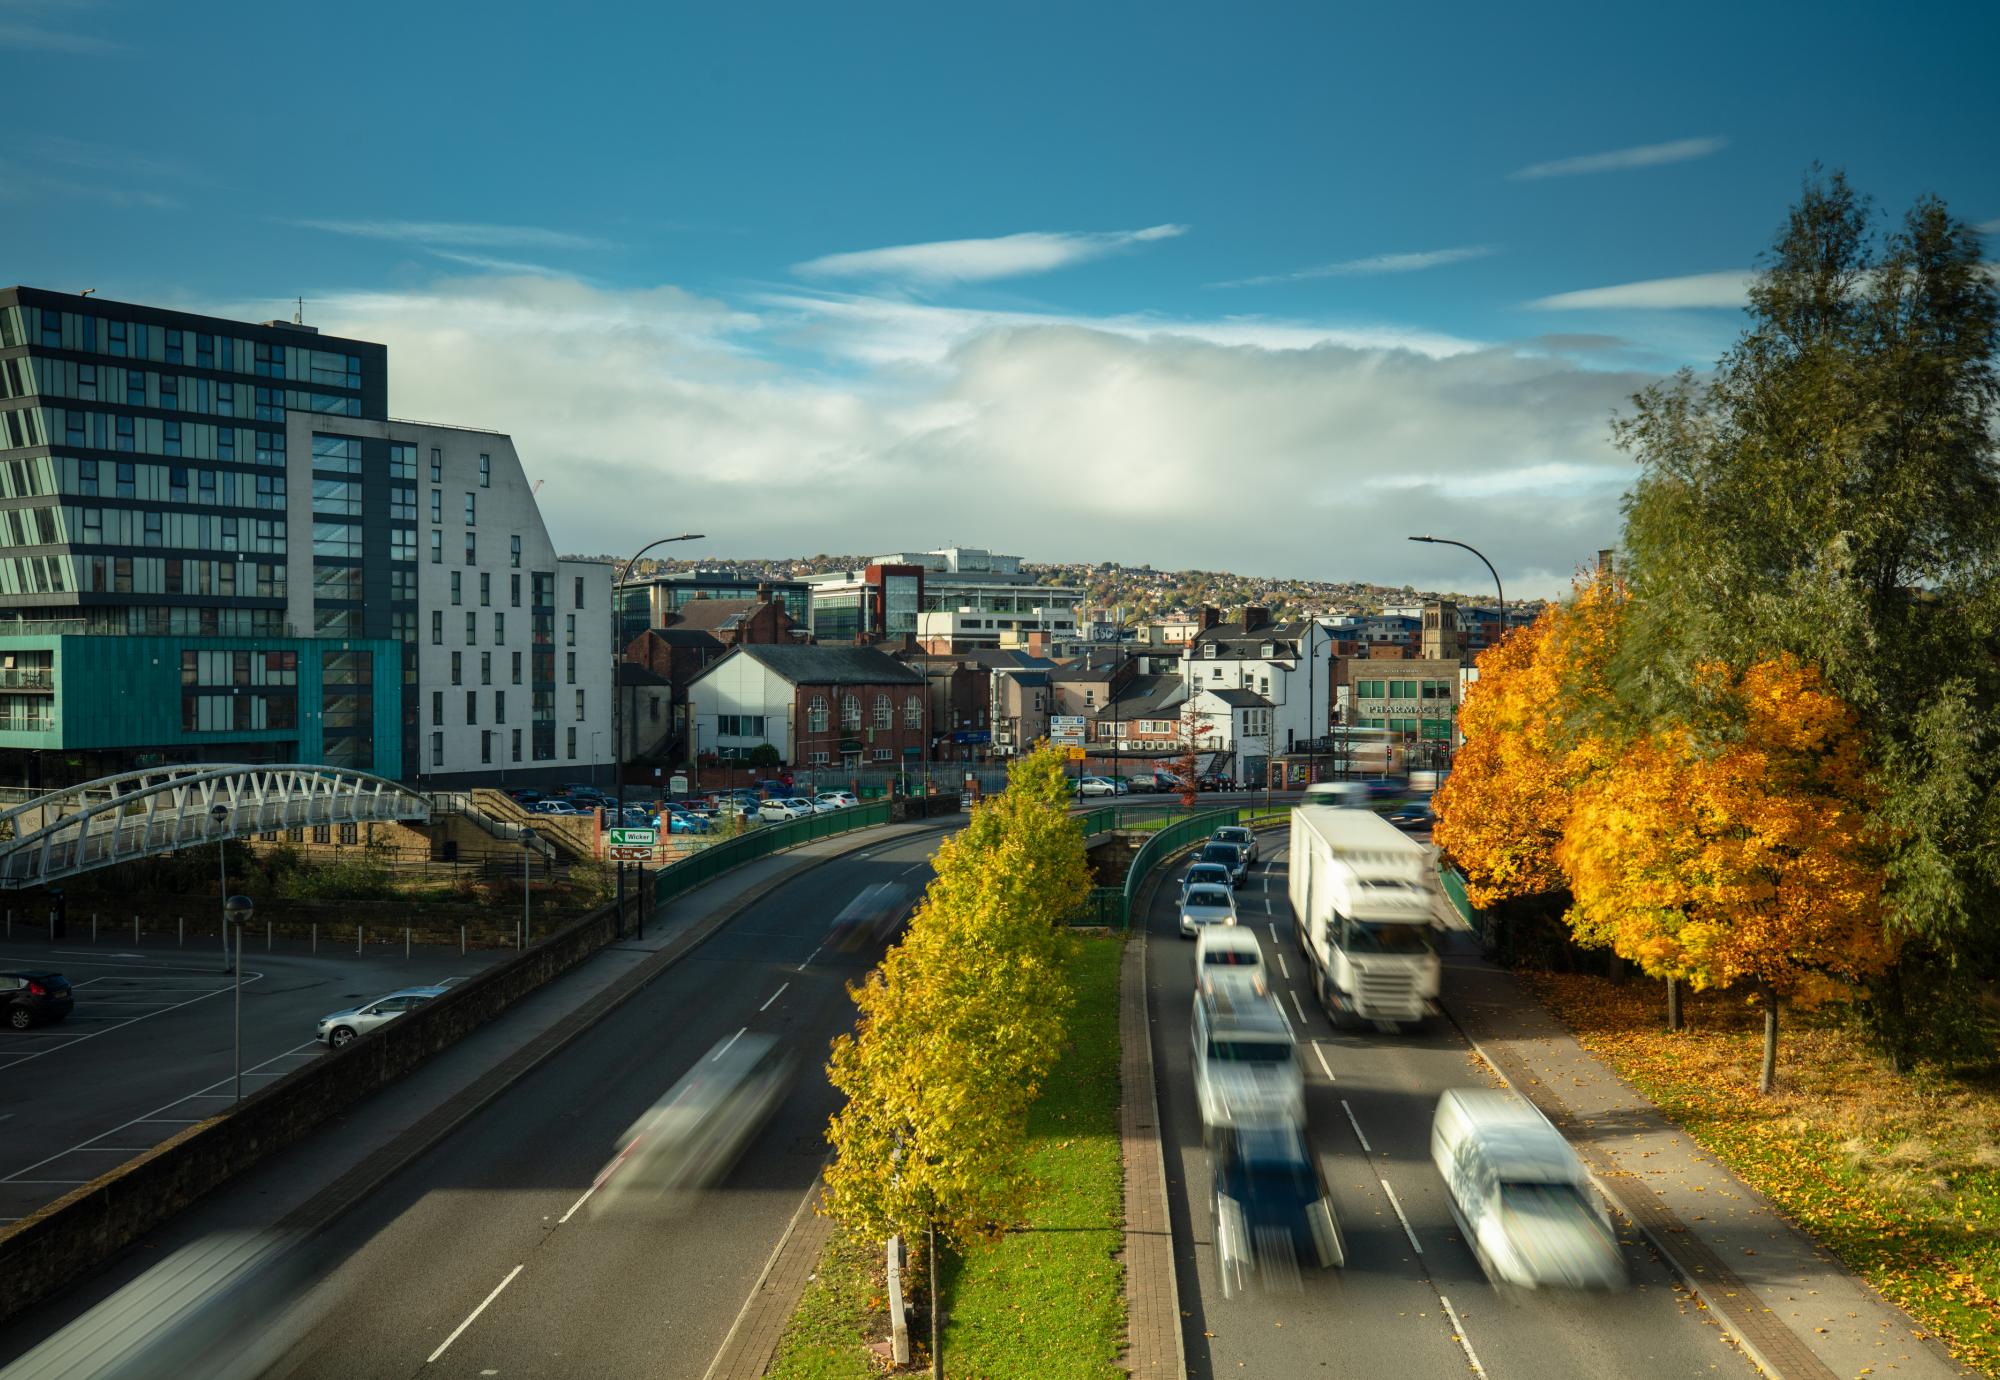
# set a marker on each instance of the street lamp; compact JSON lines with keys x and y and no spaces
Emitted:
{"x":220,"y":814}
{"x":617,"y":708}
{"x":1447,"y":541}
{"x":236,"y":911}
{"x":529,"y":838}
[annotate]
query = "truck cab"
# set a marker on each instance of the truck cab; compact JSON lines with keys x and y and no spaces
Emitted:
{"x":1364,"y":898}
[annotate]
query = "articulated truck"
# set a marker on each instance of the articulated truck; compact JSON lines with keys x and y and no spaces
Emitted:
{"x":1363,"y":897}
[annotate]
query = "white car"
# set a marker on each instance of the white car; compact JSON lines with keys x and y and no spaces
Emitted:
{"x":1096,"y":785}
{"x":1204,"y":904}
{"x":840,"y":800}
{"x":821,"y":805}
{"x":1246,"y":1063}
{"x":1520,"y":1194}
{"x":555,"y":807}
{"x":337,"y":1030}
{"x":777,"y":811}
{"x":1229,"y":954}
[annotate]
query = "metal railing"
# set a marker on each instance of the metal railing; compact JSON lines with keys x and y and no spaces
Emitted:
{"x":679,"y":878}
{"x":27,"y":679}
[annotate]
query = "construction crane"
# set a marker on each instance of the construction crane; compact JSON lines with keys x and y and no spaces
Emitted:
{"x":538,"y":487}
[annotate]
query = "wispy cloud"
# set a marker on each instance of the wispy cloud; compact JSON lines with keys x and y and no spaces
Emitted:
{"x":461,"y":235}
{"x":1371,"y":266}
{"x":34,"y":38}
{"x":487,"y":264}
{"x":1729,"y":289}
{"x":1988,"y":227}
{"x":18,"y":183}
{"x":101,"y":158}
{"x":1618,"y":160}
{"x":942,"y":262}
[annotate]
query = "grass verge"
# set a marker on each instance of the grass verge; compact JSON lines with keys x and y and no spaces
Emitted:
{"x":1047,"y":1300}
{"x":1898,"y":1176}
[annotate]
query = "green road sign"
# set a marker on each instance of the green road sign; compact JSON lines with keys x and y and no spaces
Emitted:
{"x":633,"y":838}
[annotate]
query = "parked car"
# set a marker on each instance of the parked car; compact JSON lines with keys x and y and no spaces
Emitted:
{"x":1212,"y":874}
{"x":776,"y":811}
{"x":1206,"y":904}
{"x":1520,"y":1194}
{"x":1246,"y":1064}
{"x":1135,"y":785}
{"x":341,"y":1027}
{"x":1209,"y":781}
{"x":555,"y":807}
{"x":1097,"y":785}
{"x":1229,"y":954}
{"x":693,"y":805}
{"x":821,"y":805}
{"x":680,"y":822}
{"x":845,"y":800}
{"x":1270,"y":1208}
{"x":1241,"y":837}
{"x":33,"y":996}
{"x":524,"y":796}
{"x":1231,"y":857}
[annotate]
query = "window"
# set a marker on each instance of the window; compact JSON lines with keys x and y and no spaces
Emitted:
{"x":885,"y":716}
{"x":437,"y":547}
{"x":569,"y":665}
{"x":579,"y":593}
{"x":913,"y":712}
{"x":514,"y":586}
{"x":499,"y":706}
{"x":572,"y":745}
{"x":471,"y":509}
{"x":437,"y":465}
{"x":471,"y":628}
{"x":517,"y":745}
{"x":514,"y":559}
{"x":472,"y":548}
{"x":455,"y":590}
{"x":850,"y":711}
{"x":499,"y":627}
{"x":569,"y":630}
{"x":1368,"y":689}
{"x":816,"y":714}
{"x":817,"y":759}
{"x":486,"y":746}
{"x":437,"y":708}
{"x":437,"y":627}
{"x":437,"y":506}
{"x":1402,"y":689}
{"x":579,"y":706}
{"x":403,"y":463}
{"x":739,"y":725}
{"x":403,"y":545}
{"x":485,"y":590}
{"x":517,"y":668}
{"x":486,"y":668}
{"x":472,"y":706}
{"x":881,"y":754}
{"x":437,"y":749}
{"x":403,"y":504}
{"x":485,"y":474}
{"x":457,"y":668}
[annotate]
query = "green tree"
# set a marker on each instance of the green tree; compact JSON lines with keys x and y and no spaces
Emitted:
{"x":1831,"y":491}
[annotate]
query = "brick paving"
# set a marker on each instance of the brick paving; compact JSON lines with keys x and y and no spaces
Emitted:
{"x":753,"y":1340}
{"x":1152,"y":1294}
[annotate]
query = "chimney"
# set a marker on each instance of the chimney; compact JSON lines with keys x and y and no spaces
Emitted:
{"x":1604,"y":561}
{"x":763,"y":594}
{"x":1210,"y":616}
{"x":1255,"y":616}
{"x":1038,"y":642}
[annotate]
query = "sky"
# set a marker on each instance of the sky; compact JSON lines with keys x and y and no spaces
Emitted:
{"x":1261,"y":288}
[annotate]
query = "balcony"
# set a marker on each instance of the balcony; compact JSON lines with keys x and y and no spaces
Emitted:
{"x":28,"y":678}
{"x":27,"y":723}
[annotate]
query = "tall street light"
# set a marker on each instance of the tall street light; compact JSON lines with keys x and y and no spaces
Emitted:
{"x":618,"y":708}
{"x":236,"y":911}
{"x":1500,"y":635}
{"x":220,"y":814}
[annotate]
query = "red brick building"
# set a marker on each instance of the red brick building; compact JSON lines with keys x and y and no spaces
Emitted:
{"x":819,"y":707}
{"x":737,"y":622}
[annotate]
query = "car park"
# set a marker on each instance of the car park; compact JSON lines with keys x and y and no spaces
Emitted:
{"x":779,"y":810}
{"x":339,"y":1029}
{"x":34,"y":996}
{"x":1231,"y":857}
{"x":1520,"y":1195}
{"x":1246,"y":1064}
{"x":1241,"y":837}
{"x":1206,"y":904}
{"x":1214,"y":874}
{"x":1229,"y":954}
{"x":1269,"y":1206}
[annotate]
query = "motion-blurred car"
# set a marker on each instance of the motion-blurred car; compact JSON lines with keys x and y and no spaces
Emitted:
{"x":1206,"y":873}
{"x":1521,"y":1195}
{"x":691,"y":1138}
{"x":1241,"y":837}
{"x":1271,"y":1211}
{"x":34,"y":996}
{"x":1231,"y":857}
{"x":1413,"y":815}
{"x":1246,"y":1064}
{"x":1206,"y":904}
{"x":342,"y":1027}
{"x":1229,"y":954}
{"x":870,"y":918}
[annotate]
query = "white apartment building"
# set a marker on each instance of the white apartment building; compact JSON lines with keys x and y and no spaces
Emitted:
{"x":1240,"y":723}
{"x":1288,"y":664}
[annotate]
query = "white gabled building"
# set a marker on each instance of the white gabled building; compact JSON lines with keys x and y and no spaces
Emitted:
{"x":1289,"y":665}
{"x":1240,"y":724}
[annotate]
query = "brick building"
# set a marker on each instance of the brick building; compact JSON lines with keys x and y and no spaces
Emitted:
{"x":737,"y":622}
{"x":817,"y":706}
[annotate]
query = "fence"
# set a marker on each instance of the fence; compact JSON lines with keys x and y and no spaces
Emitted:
{"x":711,"y":862}
{"x":1112,"y":905}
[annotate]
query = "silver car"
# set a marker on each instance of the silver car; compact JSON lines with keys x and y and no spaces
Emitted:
{"x":341,"y":1027}
{"x":1246,"y":1066}
{"x":1241,"y":837}
{"x":1205,"y":904}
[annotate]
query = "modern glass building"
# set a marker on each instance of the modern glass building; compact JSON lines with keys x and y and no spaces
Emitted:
{"x":647,"y":603}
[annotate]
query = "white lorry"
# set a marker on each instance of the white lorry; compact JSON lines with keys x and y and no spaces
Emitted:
{"x":1362,"y":897}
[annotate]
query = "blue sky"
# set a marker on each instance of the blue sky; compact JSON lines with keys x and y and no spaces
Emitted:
{"x":1248,"y":288}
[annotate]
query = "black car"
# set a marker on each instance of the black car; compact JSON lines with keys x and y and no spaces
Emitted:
{"x":31,"y":998}
{"x":1272,"y":1211}
{"x":1231,"y":857}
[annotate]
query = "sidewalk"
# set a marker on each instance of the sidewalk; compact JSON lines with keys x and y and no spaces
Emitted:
{"x":1797,"y":1311}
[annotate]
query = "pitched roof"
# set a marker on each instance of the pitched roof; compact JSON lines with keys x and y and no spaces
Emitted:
{"x":812,"y":664}
{"x":632,"y":673}
{"x":1241,"y":699}
{"x":1147,"y":695}
{"x":687,"y":637}
{"x":718,"y":615}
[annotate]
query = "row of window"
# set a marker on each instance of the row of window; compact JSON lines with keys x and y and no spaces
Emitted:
{"x":156,"y":436}
{"x":1402,"y":689}
{"x":61,"y":378}
{"x":239,"y":668}
{"x":817,"y":712}
{"x":1434,"y":729}
{"x":86,"y":333}
{"x":191,"y":531}
{"x":821,"y":759}
{"x":543,"y":752}
{"x":486,"y":593}
{"x":175,"y":575}
{"x":175,"y":484}
{"x":237,"y":713}
{"x":544,"y":670}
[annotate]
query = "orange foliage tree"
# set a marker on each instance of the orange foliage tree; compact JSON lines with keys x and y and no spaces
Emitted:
{"x":1502,"y":811}
{"x":1744,"y":860}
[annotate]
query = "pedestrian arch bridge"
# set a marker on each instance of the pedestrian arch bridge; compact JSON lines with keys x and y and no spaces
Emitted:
{"x":140,"y":814}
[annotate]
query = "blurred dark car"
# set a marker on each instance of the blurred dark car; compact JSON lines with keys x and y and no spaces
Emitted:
{"x":33,"y":998}
{"x":1271,"y":1209}
{"x":1208,"y":781}
{"x":1412,"y":814}
{"x":871,"y":918}
{"x":1231,"y":857}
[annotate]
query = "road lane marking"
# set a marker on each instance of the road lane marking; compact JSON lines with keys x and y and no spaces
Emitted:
{"x":1300,"y":1009}
{"x":476,"y":1312}
{"x":810,"y":957}
{"x":1399,"y":1210}
{"x":775,"y":995}
{"x":1283,"y":971}
{"x":1464,"y":1342}
{"x":1273,"y":927}
{"x":1365,"y":1149}
{"x":603,"y":1177}
{"x":726,"y":1044}
{"x":1327,"y":1069}
{"x":1268,"y":910}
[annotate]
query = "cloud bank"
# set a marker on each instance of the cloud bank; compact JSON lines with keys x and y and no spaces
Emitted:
{"x":942,"y":262}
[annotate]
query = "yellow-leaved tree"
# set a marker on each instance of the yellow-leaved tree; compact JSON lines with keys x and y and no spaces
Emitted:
{"x":960,"y":1024}
{"x":1743,"y":856}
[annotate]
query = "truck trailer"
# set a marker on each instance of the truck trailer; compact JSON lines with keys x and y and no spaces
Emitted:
{"x":1363,"y":900}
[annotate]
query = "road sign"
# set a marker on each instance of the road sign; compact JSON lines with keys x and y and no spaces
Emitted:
{"x":629,"y":853}
{"x":1066,"y":729}
{"x":633,"y":838}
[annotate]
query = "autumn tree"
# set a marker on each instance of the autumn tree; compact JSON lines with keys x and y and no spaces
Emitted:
{"x":1831,"y":490}
{"x":1189,"y":733}
{"x":1736,"y":849}
{"x":961,"y":1023}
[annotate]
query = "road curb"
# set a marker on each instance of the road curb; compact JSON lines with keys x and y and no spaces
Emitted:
{"x":1152,"y":1283}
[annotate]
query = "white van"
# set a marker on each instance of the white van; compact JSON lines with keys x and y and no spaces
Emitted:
{"x":1246,"y":1063}
{"x":1226,"y":954}
{"x":1521,"y":1195}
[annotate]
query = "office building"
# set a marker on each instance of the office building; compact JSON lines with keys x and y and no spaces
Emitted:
{"x":652,"y":601}
{"x":973,"y":598}
{"x":878,"y":603}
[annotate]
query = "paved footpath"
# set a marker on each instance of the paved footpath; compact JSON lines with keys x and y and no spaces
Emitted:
{"x":1797,"y":1311}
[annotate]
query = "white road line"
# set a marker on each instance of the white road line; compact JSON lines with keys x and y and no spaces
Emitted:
{"x":1273,"y":927}
{"x":1299,"y":1008}
{"x":603,"y":1176}
{"x":1283,"y":971}
{"x":727,"y":1043}
{"x":774,"y":996}
{"x":1399,"y":1212}
{"x":1464,"y":1342}
{"x":810,"y":957}
{"x":1267,"y":907}
{"x":476,"y":1312}
{"x":1365,"y":1148}
{"x":1326,"y":1069}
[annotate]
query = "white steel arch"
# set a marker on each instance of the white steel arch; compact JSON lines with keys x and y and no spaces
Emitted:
{"x":139,"y":814}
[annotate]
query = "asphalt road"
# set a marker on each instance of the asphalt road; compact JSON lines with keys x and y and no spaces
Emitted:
{"x":499,"y":1200}
{"x":1411,"y":1300}
{"x":150,"y":1047}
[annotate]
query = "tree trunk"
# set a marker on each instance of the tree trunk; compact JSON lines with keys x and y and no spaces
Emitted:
{"x":1615,"y":969}
{"x":1673,"y":1004}
{"x":1767,"y":1078}
{"x":937,"y":1340}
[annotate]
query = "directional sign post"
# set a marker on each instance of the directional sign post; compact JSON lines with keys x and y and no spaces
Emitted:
{"x":631,"y":845}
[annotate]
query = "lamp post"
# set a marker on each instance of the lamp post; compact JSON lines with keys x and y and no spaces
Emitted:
{"x":618,"y":702}
{"x":529,"y":838}
{"x":220,"y":814}
{"x":1501,"y":634}
{"x":236,"y":911}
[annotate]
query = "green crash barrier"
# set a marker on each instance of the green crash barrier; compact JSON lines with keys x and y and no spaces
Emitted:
{"x":679,"y":878}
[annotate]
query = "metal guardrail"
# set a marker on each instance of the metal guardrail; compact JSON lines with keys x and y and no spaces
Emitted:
{"x":1454,"y":890}
{"x":1112,"y":905}
{"x":677,"y":879}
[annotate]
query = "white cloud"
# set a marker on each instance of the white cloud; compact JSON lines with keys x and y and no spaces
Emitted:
{"x":1988,"y":227}
{"x":1257,"y":448}
{"x":1618,"y":160}
{"x":973,"y":261}
{"x":1730,"y":289}
{"x":488,"y":264}
{"x":1371,"y":266}
{"x":460,"y":235}
{"x":34,"y":38}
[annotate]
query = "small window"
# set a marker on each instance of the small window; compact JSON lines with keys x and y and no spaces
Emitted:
{"x":485,"y":478}
{"x":579,"y":593}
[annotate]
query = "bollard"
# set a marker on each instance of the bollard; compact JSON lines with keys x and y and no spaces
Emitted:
{"x":135,"y":929}
{"x":315,"y":936}
{"x":360,"y":937}
{"x":461,"y":941}
{"x":406,"y":941}
{"x":182,"y":941}
{"x":267,"y":936}
{"x":93,"y":927}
